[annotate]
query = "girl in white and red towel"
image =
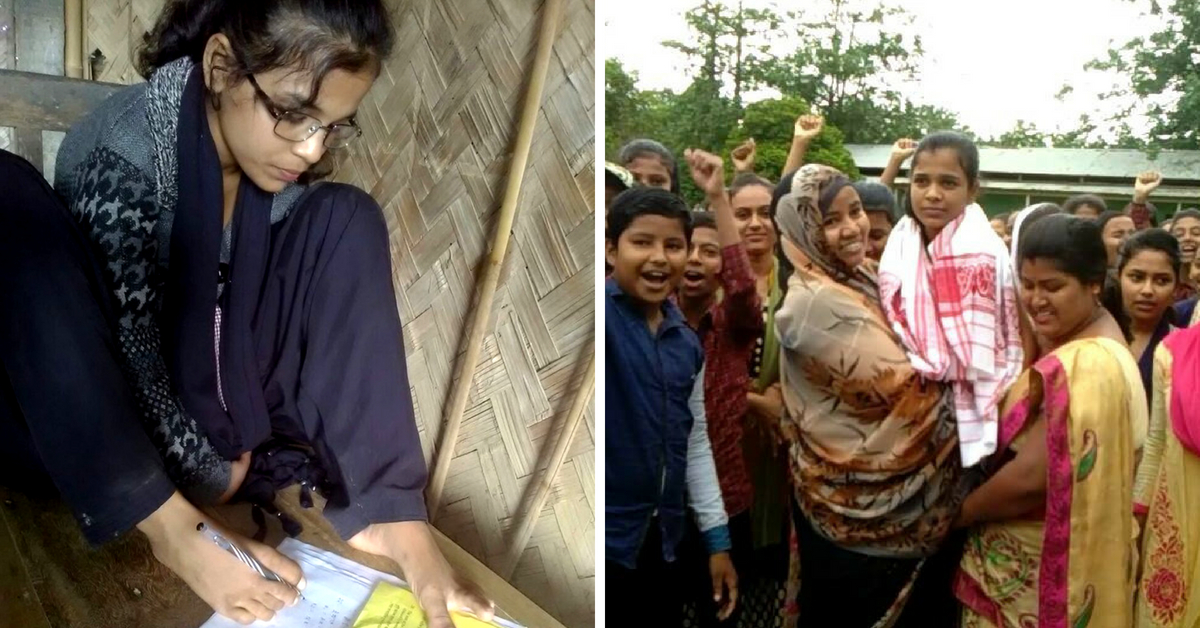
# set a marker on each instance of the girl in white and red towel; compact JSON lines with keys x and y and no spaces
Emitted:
{"x":949,"y":291}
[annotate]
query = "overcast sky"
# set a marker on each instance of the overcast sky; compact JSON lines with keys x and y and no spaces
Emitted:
{"x":993,"y":63}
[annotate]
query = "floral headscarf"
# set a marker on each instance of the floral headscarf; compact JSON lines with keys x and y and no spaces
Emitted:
{"x":802,"y":237}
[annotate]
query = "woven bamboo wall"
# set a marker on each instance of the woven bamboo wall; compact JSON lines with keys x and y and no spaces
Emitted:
{"x":437,"y":132}
{"x":115,"y":28}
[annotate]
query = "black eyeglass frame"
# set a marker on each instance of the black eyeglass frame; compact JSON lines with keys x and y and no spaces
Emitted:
{"x":278,"y":113}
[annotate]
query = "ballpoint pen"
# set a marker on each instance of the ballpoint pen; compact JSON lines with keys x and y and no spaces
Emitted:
{"x":242,"y":555}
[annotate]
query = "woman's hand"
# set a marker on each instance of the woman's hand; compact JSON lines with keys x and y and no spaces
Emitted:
{"x":807,"y":128}
{"x":902,"y":149}
{"x":437,"y":588}
{"x":724,"y":583}
{"x":708,"y":171}
{"x":743,"y":156}
{"x":226,"y":584}
{"x":1145,"y":184}
{"x":767,"y":409}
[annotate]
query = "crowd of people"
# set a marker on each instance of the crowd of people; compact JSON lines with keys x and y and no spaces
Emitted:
{"x":829,"y":407}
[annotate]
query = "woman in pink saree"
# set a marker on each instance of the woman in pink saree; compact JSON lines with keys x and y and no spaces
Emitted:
{"x":1051,"y":531}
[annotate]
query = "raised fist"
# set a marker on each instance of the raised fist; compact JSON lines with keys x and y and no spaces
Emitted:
{"x":708,"y":171}
{"x":808,"y":127}
{"x":743,"y":156}
{"x":903,"y":149}
{"x":1145,"y":184}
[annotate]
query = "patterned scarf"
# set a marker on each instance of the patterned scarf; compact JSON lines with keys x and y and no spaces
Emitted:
{"x":954,"y":303}
{"x":872,"y":444}
{"x":226,"y":399}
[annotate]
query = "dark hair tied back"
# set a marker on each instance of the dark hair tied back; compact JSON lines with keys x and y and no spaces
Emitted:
{"x":1153,"y":239}
{"x":968,"y":153}
{"x":312,"y":36}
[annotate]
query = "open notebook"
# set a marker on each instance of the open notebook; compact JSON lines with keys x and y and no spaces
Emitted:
{"x":337,"y":591}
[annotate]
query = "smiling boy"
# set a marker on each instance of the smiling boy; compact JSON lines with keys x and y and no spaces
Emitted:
{"x":719,"y":299}
{"x":657,"y":453}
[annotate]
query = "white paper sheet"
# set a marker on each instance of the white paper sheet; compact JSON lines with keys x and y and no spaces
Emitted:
{"x":337,"y":590}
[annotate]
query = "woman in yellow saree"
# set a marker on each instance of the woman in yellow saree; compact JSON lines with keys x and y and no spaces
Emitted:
{"x":1051,"y":531}
{"x":1168,"y":489}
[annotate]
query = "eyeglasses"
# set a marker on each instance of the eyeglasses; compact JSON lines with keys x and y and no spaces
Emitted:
{"x":298,"y":127}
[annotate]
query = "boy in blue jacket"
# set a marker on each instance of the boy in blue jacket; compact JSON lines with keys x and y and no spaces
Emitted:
{"x":657,"y":453}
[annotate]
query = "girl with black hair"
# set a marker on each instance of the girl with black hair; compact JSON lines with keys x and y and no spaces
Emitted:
{"x":880,"y":205}
{"x":761,"y":528}
{"x":1115,"y":228}
{"x":651,"y":164}
{"x":236,"y":330}
{"x":946,"y":284}
{"x":1185,"y":226}
{"x":1051,"y":532}
{"x":1148,"y":271}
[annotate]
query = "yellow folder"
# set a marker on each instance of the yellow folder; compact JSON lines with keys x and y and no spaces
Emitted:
{"x":391,"y":606}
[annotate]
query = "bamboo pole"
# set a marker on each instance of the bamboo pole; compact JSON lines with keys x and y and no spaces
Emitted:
{"x":73,"y":38}
{"x":566,"y":436}
{"x":85,"y":61}
{"x":461,"y":384}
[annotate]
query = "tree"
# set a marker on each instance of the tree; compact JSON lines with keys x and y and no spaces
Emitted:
{"x":852,"y":60}
{"x":770,"y":123}
{"x":1022,"y":135}
{"x":1157,"y":79}
{"x":623,"y":104}
{"x":727,"y":44}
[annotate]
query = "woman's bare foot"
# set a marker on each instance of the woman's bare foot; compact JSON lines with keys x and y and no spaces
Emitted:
{"x":228,"y":586}
{"x":438,"y":589}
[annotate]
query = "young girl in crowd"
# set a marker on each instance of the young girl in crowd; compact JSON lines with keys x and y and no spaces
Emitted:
{"x":880,"y":205}
{"x":718,"y":297}
{"x":947,"y":287}
{"x":1051,"y":531}
{"x":1185,"y":226}
{"x":1148,"y":270}
{"x":750,"y":196}
{"x":872,"y":445}
{"x":651,"y":164}
{"x":1167,"y":492}
{"x":1085,"y":206}
{"x":1115,"y":228}
{"x":195,"y":193}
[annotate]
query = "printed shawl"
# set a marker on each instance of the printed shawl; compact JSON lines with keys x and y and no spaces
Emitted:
{"x":872,"y":444}
{"x":954,"y":304}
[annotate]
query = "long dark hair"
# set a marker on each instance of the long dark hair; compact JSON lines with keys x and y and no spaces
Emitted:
{"x":313,"y":36}
{"x":1153,"y":239}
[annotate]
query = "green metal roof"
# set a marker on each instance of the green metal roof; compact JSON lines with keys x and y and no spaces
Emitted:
{"x":1177,"y":166}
